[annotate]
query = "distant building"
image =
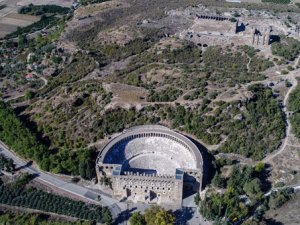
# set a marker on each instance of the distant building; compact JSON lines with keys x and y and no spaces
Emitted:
{"x":29,"y":76}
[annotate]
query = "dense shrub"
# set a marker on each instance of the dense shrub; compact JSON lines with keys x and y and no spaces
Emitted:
{"x":262,"y":129}
{"x":153,"y":215}
{"x":43,"y":9}
{"x":287,"y":48}
{"x":294,"y":106}
{"x":18,"y":137}
{"x":242,"y":181}
{"x":278,"y":198}
{"x":167,"y":95}
{"x":86,"y":2}
{"x":6,"y":164}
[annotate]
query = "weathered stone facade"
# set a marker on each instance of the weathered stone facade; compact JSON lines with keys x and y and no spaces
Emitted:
{"x":151,"y":164}
{"x":261,"y":36}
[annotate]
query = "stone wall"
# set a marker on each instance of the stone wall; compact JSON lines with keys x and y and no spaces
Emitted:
{"x":148,"y":189}
{"x":151,"y":164}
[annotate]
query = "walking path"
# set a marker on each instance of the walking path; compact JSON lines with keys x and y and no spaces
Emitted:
{"x":292,"y":78}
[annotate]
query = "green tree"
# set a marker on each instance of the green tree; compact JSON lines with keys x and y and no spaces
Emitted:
{"x":164,"y":218}
{"x":158,"y":216}
{"x":253,"y":189}
{"x":22,"y":41}
{"x":29,"y":95}
{"x":259,"y":167}
{"x":218,"y":181}
{"x":137,"y":219}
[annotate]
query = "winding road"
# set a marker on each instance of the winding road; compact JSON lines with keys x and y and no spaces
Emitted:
{"x":84,"y":193}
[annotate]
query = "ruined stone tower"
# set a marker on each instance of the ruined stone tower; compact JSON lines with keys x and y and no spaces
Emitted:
{"x":261,"y":36}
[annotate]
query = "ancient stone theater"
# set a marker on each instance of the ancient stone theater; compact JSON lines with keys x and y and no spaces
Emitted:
{"x":151,"y":164}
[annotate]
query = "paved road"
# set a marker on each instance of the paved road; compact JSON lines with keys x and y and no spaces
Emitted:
{"x":72,"y":188}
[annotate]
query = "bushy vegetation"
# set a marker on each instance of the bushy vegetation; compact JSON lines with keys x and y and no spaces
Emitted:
{"x":262,"y":129}
{"x":16,"y":195}
{"x":192,"y":122}
{"x":34,"y":219}
{"x":188,"y":53}
{"x":153,"y":215}
{"x":167,"y":95}
{"x":37,"y":10}
{"x":257,"y":64}
{"x":87,"y":96}
{"x":217,"y":65}
{"x":288,"y":48}
{"x":201,"y":92}
{"x":87,"y":2}
{"x":258,"y":131}
{"x":294,"y":107}
{"x":6,"y":164}
{"x":242,"y":181}
{"x":193,"y":70}
{"x":113,"y":52}
{"x":278,"y":198}
{"x":18,"y":137}
{"x":242,"y":195}
{"x":80,"y":67}
{"x":230,"y":67}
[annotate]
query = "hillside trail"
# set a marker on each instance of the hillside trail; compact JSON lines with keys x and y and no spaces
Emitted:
{"x":292,"y":78}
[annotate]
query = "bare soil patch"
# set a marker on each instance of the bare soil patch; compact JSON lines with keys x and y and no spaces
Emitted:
{"x":123,"y":93}
{"x":65,"y":3}
{"x":286,"y":166}
{"x":23,"y":17}
{"x":289,"y":213}
{"x":6,"y":29}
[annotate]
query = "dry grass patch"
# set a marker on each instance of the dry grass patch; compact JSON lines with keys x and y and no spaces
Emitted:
{"x":172,"y":43}
{"x":286,"y":166}
{"x":99,"y":8}
{"x":23,"y":17}
{"x":162,"y":75}
{"x":126,"y":94}
{"x":119,"y":36}
{"x":289,"y":213}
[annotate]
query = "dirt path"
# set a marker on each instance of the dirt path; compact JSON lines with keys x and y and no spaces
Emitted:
{"x":291,"y":77}
{"x":22,"y":94}
{"x":45,"y":82}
